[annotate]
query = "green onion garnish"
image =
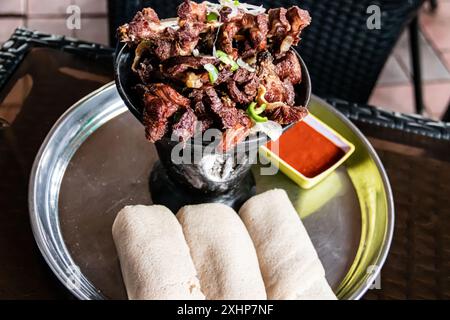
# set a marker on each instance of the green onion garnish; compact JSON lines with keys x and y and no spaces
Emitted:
{"x":212,"y":16}
{"x":212,"y":72}
{"x":254,"y":112}
{"x":222,"y":56}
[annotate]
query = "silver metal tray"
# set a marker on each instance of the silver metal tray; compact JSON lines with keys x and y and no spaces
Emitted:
{"x":95,"y":160}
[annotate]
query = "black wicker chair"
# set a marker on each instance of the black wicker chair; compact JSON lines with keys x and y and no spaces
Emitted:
{"x":343,"y":56}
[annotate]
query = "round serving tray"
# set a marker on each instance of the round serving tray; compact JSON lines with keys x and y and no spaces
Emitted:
{"x":95,"y":160}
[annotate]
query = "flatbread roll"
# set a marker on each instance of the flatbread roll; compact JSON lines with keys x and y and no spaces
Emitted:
{"x":223,"y":252}
{"x":153,"y":254}
{"x":288,"y":261}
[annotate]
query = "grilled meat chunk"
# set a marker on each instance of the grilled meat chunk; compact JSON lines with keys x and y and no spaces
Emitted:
{"x":257,"y":28}
{"x":269,"y":79}
{"x":237,"y":133}
{"x":167,"y":41}
{"x":299,"y":19}
{"x":177,"y":65}
{"x":192,"y":11}
{"x":192,"y":19}
{"x":145,"y":25}
{"x":200,"y":110}
{"x":243,"y":87}
{"x":284,"y":114}
{"x":249,"y":30}
{"x":223,"y":107}
{"x":285,"y":27}
{"x":161,"y":101}
{"x":188,"y":70}
{"x":278,"y":24}
{"x":288,"y":67}
{"x":280,"y":94}
{"x":185,"y":127}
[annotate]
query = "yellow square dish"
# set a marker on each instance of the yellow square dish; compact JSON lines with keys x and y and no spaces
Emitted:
{"x":302,"y":180}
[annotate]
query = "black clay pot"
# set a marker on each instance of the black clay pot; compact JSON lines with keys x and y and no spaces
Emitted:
{"x":213,"y":177}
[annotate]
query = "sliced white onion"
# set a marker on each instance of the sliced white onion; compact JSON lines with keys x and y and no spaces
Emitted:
{"x":234,"y":12}
{"x":251,"y":9}
{"x":168,"y":23}
{"x":271,"y":128}
{"x":241,"y":63}
{"x":227,"y":3}
{"x":195,"y":52}
{"x":213,"y":7}
{"x":230,"y":4}
{"x":245,"y":7}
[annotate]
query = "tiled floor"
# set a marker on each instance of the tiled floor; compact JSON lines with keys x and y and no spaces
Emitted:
{"x":51,"y":16}
{"x":394,"y":89}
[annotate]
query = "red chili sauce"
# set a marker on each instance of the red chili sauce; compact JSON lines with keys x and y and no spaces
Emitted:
{"x":307,"y":151}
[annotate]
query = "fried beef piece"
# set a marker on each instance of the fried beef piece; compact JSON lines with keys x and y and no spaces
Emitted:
{"x":185,"y":127}
{"x":225,"y":74}
{"x":192,"y":19}
{"x":225,"y":15}
{"x":288,"y":67}
{"x":164,"y":45}
{"x":192,"y":11}
{"x":196,"y":97}
{"x":228,"y":31}
{"x":257,"y":28}
{"x":167,"y":42}
{"x":284,"y":114}
{"x":177,"y":65}
{"x":190,"y":70}
{"x":243,"y":87}
{"x":236,"y":93}
{"x":156,"y":113}
{"x":299,"y":20}
{"x":289,"y":92}
{"x":278,"y":23}
{"x":269,"y":79}
{"x":148,"y":72}
{"x":169,"y":94}
{"x":200,"y":110}
{"x":279,"y":93}
{"x":207,"y":39}
{"x":223,"y":107}
{"x":285,"y":26}
{"x":161,"y":101}
{"x":145,"y":25}
{"x":181,"y":42}
{"x":237,"y":133}
{"x":252,"y":34}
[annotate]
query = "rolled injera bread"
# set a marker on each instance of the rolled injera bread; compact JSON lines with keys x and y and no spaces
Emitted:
{"x":153,"y":255}
{"x":288,"y":261}
{"x":223,"y":252}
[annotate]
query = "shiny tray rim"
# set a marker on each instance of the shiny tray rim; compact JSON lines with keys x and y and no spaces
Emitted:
{"x":88,"y":290}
